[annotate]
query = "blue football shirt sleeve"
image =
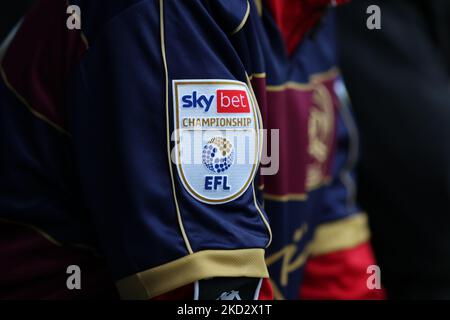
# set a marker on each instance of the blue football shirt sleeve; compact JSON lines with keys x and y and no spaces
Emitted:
{"x":155,"y":234}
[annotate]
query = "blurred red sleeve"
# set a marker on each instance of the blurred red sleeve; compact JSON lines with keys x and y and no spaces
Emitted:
{"x":340,"y":275}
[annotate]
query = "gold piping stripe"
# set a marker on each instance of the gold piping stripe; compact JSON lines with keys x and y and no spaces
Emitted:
{"x":35,"y":229}
{"x":290,"y":85}
{"x":266,"y":223}
{"x":315,"y":78}
{"x":259,"y":7}
{"x":48,"y":237}
{"x":244,"y":20}
{"x":324,"y":182}
{"x":340,"y":235}
{"x":324,"y":76}
{"x":260,"y":141}
{"x":166,"y":75}
{"x":286,"y":197}
{"x":200,"y":265}
{"x":27,"y":105}
{"x":85,"y":40}
{"x":261,"y":75}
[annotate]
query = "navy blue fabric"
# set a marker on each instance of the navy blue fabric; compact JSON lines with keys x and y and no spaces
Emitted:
{"x":111,"y":177}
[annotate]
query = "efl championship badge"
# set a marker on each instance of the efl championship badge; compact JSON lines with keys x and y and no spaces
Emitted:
{"x":217,"y":138}
{"x":321,"y":127}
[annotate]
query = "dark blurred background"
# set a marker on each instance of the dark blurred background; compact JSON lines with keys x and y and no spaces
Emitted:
{"x":399,"y":82}
{"x":10,"y":14}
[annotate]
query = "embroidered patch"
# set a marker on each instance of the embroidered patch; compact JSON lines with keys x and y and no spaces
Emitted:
{"x":217,"y":138}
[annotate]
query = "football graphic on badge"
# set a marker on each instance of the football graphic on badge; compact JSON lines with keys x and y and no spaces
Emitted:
{"x":218,"y":155}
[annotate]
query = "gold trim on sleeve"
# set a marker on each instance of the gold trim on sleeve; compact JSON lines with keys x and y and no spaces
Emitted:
{"x":261,"y":138}
{"x":340,"y":235}
{"x":166,"y":76}
{"x":200,"y":265}
{"x":314,"y":79}
{"x":260,"y":75}
{"x":286,"y":197}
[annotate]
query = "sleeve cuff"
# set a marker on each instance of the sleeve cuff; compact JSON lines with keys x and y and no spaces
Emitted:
{"x":197,"y":266}
{"x":339,"y":235}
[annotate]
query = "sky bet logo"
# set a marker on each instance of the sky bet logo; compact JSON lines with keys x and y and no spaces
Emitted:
{"x":228,"y":101}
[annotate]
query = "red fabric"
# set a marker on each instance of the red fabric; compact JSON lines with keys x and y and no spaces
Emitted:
{"x":266,"y":292}
{"x":296,"y":17}
{"x":340,"y":275}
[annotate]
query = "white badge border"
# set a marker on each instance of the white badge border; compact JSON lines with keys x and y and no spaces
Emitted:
{"x":258,"y":135}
